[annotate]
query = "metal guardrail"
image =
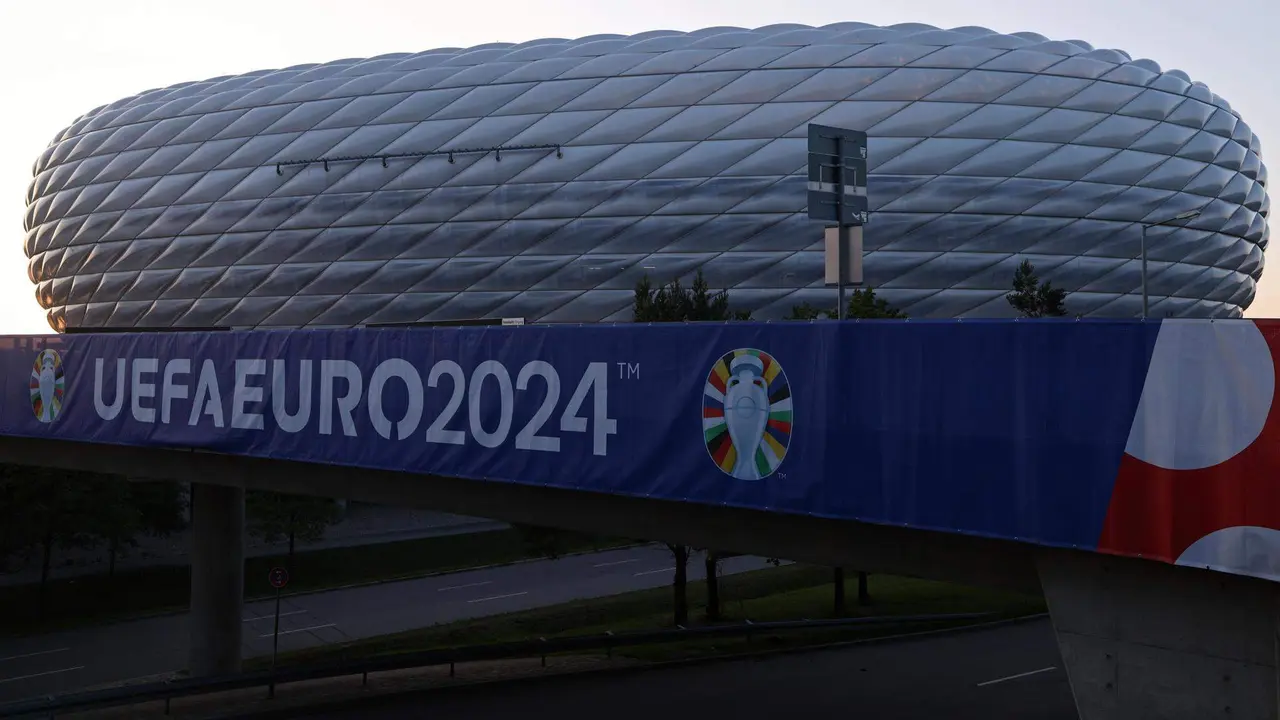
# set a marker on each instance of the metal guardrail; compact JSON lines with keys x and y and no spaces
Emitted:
{"x":542,"y":647}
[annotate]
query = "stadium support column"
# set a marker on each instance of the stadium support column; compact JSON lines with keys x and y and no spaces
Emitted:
{"x":1143,"y":639}
{"x":217,"y":578}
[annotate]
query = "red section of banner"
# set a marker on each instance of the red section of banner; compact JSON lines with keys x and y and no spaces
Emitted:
{"x":1158,"y":513}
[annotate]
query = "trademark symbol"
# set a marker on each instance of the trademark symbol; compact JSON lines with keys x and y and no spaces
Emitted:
{"x":628,"y":371}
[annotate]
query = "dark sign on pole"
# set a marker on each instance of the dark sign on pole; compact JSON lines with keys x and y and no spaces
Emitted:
{"x":279,"y":577}
{"x":837,"y":175}
{"x":838,"y":196}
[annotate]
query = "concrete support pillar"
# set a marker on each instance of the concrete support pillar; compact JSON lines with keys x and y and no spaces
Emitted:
{"x":1142,"y":639}
{"x":217,"y":578}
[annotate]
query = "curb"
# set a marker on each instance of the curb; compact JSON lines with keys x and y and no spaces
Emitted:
{"x":345,"y":704}
{"x":172,"y":611}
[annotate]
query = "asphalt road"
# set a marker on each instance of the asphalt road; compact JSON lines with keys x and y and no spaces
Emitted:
{"x":1013,"y":671}
{"x":77,"y":659}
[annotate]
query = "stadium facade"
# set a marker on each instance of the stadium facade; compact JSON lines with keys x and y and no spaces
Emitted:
{"x":543,"y":179}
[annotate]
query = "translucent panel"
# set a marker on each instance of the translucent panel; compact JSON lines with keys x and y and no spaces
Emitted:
{"x":625,"y":126}
{"x":675,"y":61}
{"x":644,"y":197}
{"x":287,"y":280}
{"x":585,"y":196}
{"x":858,"y":115}
{"x":1222,"y":123}
{"x":192,"y":283}
{"x":712,"y":157}
{"x":340,"y":278}
{"x":1103,"y":97}
{"x":992,"y":121}
{"x":1044,"y":91}
{"x":1081,"y":67}
{"x":205,"y":127}
{"x":1204,"y":146}
{"x":254,"y":121}
{"x":1131,"y":74}
{"x":1173,"y":174}
{"x":298,"y":311}
{"x":892,"y":55}
{"x":939,"y":272}
{"x":1231,"y":156}
{"x":1004,"y":158}
{"x":958,"y":56}
{"x":716,"y":195}
{"x":635,"y":161}
{"x":1013,"y":196}
{"x":513,"y":238}
{"x":748,"y":58}
{"x":576,"y":161}
{"x":1060,"y":126}
{"x":481,"y":101}
{"x":306,"y":116}
{"x":1192,"y":113}
{"x":833,"y":84}
{"x":933,"y":156}
{"x":239,"y":281}
{"x":505,"y":201}
{"x":351,"y":310}
{"x":1126,"y":167}
{"x":1164,"y":138}
{"x":759,"y":86}
{"x":419,"y":106}
{"x":542,"y":70}
{"x":668,"y":266}
{"x":816,"y":56}
{"x":772,"y":120}
{"x":937,"y":195}
{"x":686,"y":89}
{"x":908,"y":84}
{"x":1211,"y":181}
{"x":1028,"y":61}
{"x":1153,"y":105}
{"x":398,"y":276}
{"x":655,"y":232}
{"x":697,"y":123}
{"x":615,"y":92}
{"x":923,"y":119}
{"x":788,"y":195}
{"x":519,"y":272}
{"x":457,"y":274}
{"x":581,"y":235}
{"x":1116,"y":132}
{"x":212,"y":186}
{"x":1132,"y":205}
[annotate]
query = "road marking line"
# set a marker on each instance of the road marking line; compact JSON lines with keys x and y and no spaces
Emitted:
{"x":272,"y":617}
{"x":653,"y":572}
{"x":36,"y":675}
{"x":34,"y":654}
{"x":305,"y":629}
{"x":1019,"y":675}
{"x":468,"y":585}
{"x":616,"y":562}
{"x":498,"y":597}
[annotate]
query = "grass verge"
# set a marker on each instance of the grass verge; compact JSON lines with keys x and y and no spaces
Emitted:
{"x":787,"y":593}
{"x":84,"y":600}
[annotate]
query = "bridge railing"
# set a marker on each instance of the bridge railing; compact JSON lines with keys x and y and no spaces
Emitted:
{"x":170,"y":690}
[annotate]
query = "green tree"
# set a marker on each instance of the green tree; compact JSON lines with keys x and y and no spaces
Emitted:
{"x":863,"y":304}
{"x":675,"y":303}
{"x":1035,"y":299}
{"x":277,"y":516}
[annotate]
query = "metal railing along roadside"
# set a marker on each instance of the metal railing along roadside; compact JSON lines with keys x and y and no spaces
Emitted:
{"x":541,"y":647}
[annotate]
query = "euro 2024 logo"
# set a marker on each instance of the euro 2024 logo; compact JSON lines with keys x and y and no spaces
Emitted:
{"x":48,"y":386}
{"x":746,"y":414}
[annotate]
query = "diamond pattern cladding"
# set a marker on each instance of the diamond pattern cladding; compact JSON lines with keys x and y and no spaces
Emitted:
{"x":682,"y":151}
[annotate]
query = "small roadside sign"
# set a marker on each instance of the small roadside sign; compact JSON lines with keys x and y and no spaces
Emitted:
{"x":279,"y":577}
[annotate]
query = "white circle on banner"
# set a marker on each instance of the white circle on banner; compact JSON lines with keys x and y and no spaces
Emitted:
{"x":1244,"y":550}
{"x":1207,"y":394}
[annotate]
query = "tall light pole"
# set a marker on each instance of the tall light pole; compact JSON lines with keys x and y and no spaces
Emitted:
{"x":1147,"y":226}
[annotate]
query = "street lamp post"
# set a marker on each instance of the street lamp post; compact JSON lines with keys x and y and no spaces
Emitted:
{"x":1145,"y":227}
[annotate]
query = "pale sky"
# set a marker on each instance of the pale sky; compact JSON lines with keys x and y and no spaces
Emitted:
{"x":61,"y":59}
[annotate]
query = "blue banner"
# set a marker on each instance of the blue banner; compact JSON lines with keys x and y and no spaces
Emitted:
{"x":1005,"y":429}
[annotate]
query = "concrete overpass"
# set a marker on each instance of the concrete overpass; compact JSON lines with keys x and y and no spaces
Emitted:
{"x":1121,"y":467}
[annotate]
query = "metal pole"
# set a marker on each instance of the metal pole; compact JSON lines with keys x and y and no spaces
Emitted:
{"x":1144,"y":271}
{"x":275,"y":648}
{"x":842,"y":234}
